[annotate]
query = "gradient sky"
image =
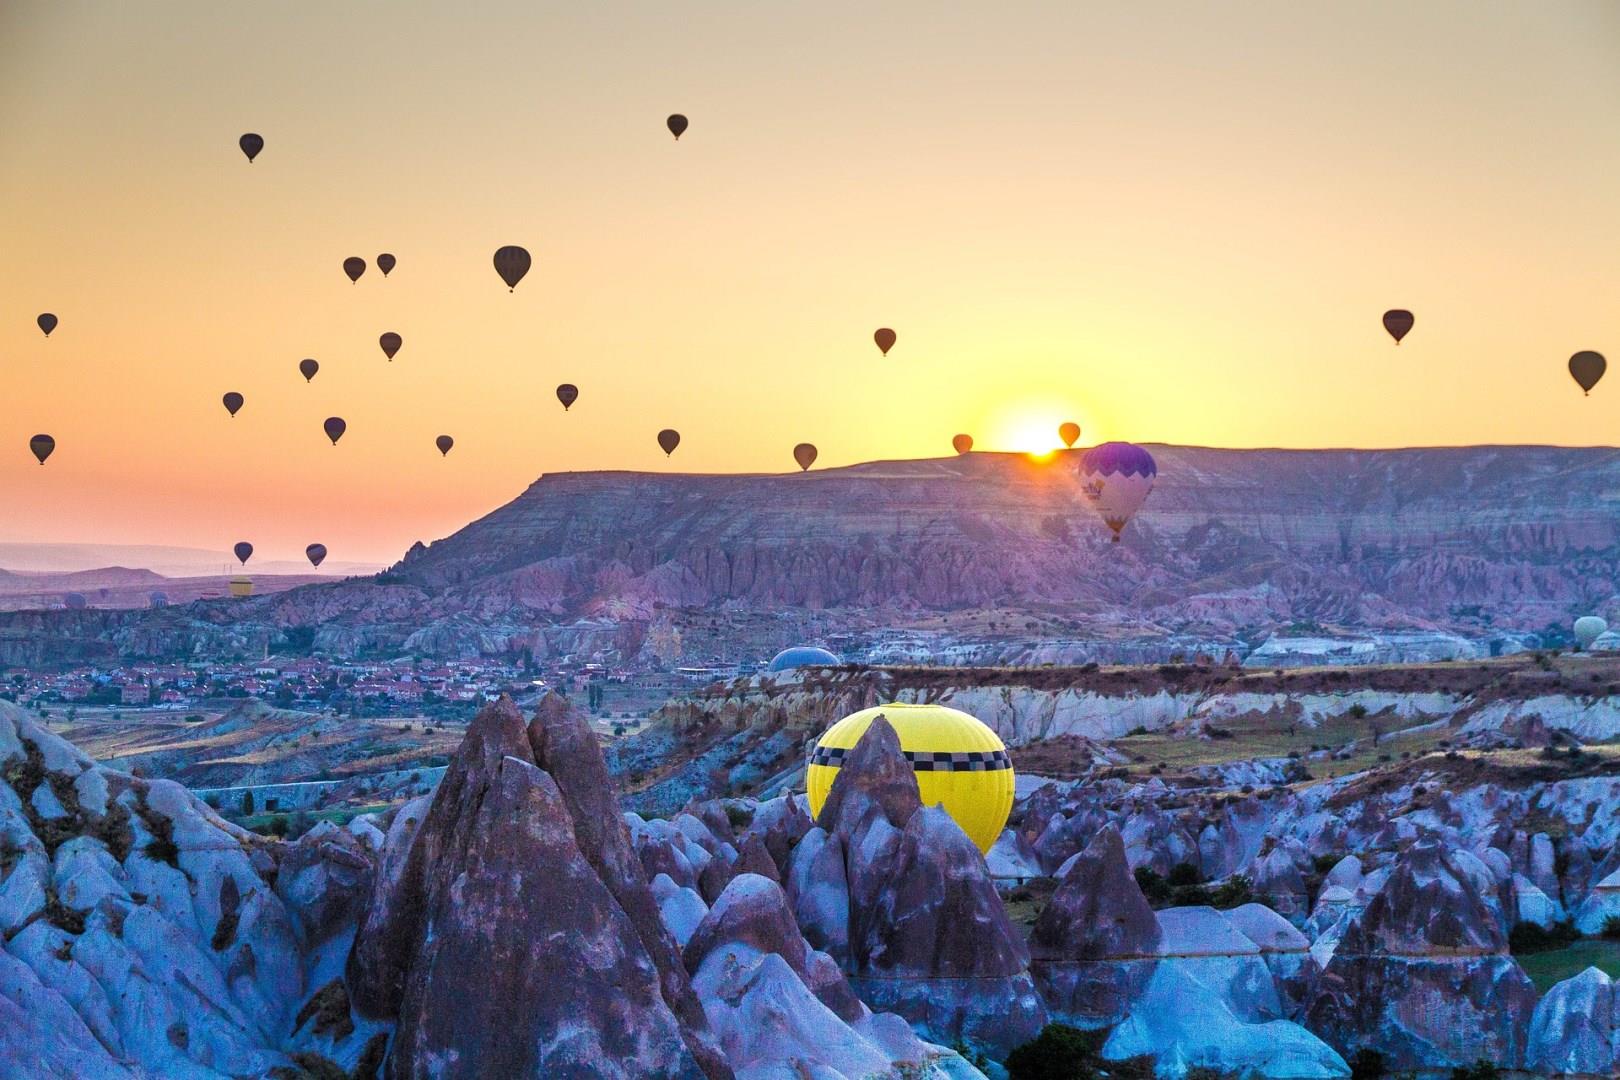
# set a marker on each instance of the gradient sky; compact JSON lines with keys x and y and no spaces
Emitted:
{"x":1169,"y":222}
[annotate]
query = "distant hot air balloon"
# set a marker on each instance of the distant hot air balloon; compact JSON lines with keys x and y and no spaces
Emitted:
{"x":1586,"y":368}
{"x":677,"y":125}
{"x":308,"y":368}
{"x":75,"y":601}
{"x":1069,"y":432}
{"x":567,"y":393}
{"x":805,"y":455}
{"x":1115,"y":479}
{"x":444,"y":443}
{"x":885,"y":339}
{"x":251,"y":144}
{"x":962,"y":443}
{"x":354,"y":266}
{"x":390,"y":343}
{"x":42,"y":447}
{"x":244,"y":551}
{"x":1588,"y":628}
{"x":335,"y":427}
{"x":47,"y":322}
{"x":316,"y":553}
{"x":668,"y":440}
{"x":512,"y":262}
{"x":385,"y":263}
{"x":1398,"y":321}
{"x":233,"y":402}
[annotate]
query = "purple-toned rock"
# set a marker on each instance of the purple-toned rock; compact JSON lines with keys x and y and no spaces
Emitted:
{"x":876,"y":782}
{"x":819,"y":890}
{"x":1572,"y":1032}
{"x":754,"y":858}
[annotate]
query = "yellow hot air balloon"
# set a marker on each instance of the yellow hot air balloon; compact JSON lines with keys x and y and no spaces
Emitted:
{"x":241,"y":586}
{"x":960,"y":764}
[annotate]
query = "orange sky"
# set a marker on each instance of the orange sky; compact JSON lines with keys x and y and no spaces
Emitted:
{"x":1173,"y":222}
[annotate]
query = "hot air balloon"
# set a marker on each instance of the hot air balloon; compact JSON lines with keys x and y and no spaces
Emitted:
{"x":385,"y":263}
{"x":354,"y":266}
{"x":244,"y":551}
{"x":668,"y":440}
{"x":1586,"y":368}
{"x":444,"y":443}
{"x":512,"y":262}
{"x":1069,"y":432}
{"x":1398,"y":322}
{"x":677,"y":125}
{"x":1588,"y":628}
{"x":567,"y":393}
{"x":959,"y":763}
{"x":42,"y":447}
{"x":75,"y":601}
{"x":251,"y":144}
{"x":307,"y":368}
{"x":962,"y":443}
{"x":233,"y":402}
{"x":805,"y":455}
{"x":241,"y":586}
{"x":1115,"y":479}
{"x":390,"y":343}
{"x":798,"y":656}
{"x":316,"y":553}
{"x":46,"y":322}
{"x":335,"y":427}
{"x":885,"y":339}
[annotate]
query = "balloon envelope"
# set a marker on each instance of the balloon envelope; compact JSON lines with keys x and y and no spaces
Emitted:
{"x":1588,"y":628}
{"x":885,"y":339}
{"x":354,"y":266}
{"x":251,"y":144}
{"x":244,"y":551}
{"x":1116,"y":478}
{"x":959,"y":764}
{"x":512,"y":262}
{"x":308,"y":368}
{"x":233,"y":402}
{"x":335,"y":427}
{"x":46,"y":322}
{"x":567,"y":393}
{"x":677,"y":125}
{"x":390,"y":343}
{"x":42,"y":447}
{"x":805,"y":455}
{"x":962,"y":443}
{"x":385,"y":263}
{"x":668,"y":440}
{"x":444,"y":443}
{"x":1069,"y":432}
{"x":316,"y":553}
{"x":1398,"y":321}
{"x":1586,"y":368}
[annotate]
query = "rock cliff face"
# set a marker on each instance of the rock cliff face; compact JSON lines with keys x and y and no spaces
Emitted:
{"x":1231,"y":541}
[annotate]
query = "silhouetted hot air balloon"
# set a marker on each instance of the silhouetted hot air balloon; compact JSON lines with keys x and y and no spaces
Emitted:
{"x":1398,"y":321}
{"x":308,"y":368}
{"x":354,"y":266}
{"x":316,"y":553}
{"x":390,"y":343}
{"x":677,"y":125}
{"x":885,"y":339}
{"x":962,"y":443}
{"x":567,"y":393}
{"x":244,"y":551}
{"x":335,"y":427}
{"x":251,"y":144}
{"x":805,"y":455}
{"x":444,"y":443}
{"x":385,"y":263}
{"x":46,"y":322}
{"x":233,"y":402}
{"x":512,"y":262}
{"x":42,"y":446}
{"x":668,"y":440}
{"x":1586,"y":368}
{"x":1115,"y":479}
{"x":1588,"y":628}
{"x":1069,"y":432}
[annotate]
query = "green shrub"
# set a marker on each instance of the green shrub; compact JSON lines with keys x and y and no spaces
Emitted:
{"x":1153,"y":886}
{"x":1479,"y":1070}
{"x":1527,"y":937}
{"x":1184,"y":873}
{"x":1367,"y":1064}
{"x":1611,"y":927}
{"x":1234,"y":892}
{"x":1060,"y":1052}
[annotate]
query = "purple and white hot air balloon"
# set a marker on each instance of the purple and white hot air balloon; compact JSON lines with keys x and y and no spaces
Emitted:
{"x":1115,"y":479}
